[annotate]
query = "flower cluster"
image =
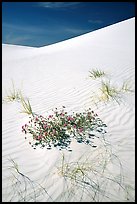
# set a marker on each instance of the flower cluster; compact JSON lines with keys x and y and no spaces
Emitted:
{"x":60,"y":127}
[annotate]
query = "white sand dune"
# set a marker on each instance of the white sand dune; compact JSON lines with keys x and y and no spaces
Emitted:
{"x":57,"y":75}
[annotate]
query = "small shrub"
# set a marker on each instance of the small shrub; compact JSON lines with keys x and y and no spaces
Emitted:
{"x":60,"y":127}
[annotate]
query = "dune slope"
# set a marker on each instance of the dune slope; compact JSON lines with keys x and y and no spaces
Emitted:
{"x":57,"y":75}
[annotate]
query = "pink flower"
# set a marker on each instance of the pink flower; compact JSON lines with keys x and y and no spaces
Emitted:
{"x":70,"y":118}
{"x":39,"y":137}
{"x":54,"y":131}
{"x":81,"y":129}
{"x":62,"y":114}
{"x":74,"y":126}
{"x":65,"y":125}
{"x":45,"y":126}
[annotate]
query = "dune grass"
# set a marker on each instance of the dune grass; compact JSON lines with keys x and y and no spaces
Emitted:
{"x":93,"y":177}
{"x":91,"y":180}
{"x":108,"y":92}
{"x":24,"y":189}
{"x":96,"y":73}
{"x":126,"y":87}
{"x":13,"y":94}
{"x":16,"y":95}
{"x":26,"y":106}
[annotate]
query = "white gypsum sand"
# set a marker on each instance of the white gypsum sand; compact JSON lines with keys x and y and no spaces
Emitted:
{"x":57,"y":75}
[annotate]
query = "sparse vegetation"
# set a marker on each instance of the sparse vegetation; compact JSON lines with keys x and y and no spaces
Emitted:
{"x":23,"y":188}
{"x":108,"y":91}
{"x":90,"y":176}
{"x":87,"y":178}
{"x":12,"y":94}
{"x":126,"y":87}
{"x":16,"y":95}
{"x":96,"y":73}
{"x":26,"y":105}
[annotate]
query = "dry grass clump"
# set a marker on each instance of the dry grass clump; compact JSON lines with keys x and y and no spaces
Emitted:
{"x":26,"y":106}
{"x":107,"y":91}
{"x":126,"y":87}
{"x":12,"y":94}
{"x":96,"y":73}
{"x":16,"y":95}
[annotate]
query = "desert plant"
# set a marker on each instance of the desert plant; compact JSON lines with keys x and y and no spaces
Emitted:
{"x":108,"y":91}
{"x":96,"y":73}
{"x":25,"y":105}
{"x":23,"y":188}
{"x":126,"y":87}
{"x":60,"y":127}
{"x":12,"y":94}
{"x":91,"y":176}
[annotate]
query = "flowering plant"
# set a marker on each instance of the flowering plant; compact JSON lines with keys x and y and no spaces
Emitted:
{"x":60,"y":127}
